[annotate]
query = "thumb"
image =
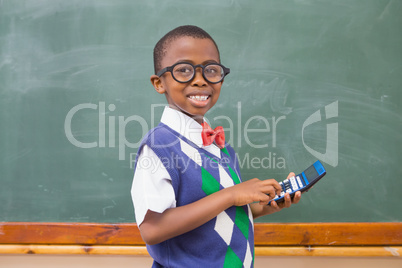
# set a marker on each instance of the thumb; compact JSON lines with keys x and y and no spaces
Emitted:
{"x":291,"y":174}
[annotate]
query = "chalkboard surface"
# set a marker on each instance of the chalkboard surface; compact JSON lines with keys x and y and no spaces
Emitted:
{"x":310,"y":79}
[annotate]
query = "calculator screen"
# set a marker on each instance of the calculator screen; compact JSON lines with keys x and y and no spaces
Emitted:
{"x":311,"y":173}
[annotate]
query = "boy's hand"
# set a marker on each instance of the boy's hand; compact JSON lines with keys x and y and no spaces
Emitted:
{"x":263,"y":208}
{"x":254,"y":190}
{"x":288,"y":201}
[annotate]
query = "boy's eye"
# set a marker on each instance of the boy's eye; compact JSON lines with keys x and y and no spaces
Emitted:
{"x":183,"y":69}
{"x":213,"y":70}
{"x":210,"y":71}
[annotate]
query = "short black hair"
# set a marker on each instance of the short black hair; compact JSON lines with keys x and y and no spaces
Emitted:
{"x":181,"y":31}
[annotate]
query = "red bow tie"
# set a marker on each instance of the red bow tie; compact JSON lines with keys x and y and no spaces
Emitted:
{"x":209,"y":135}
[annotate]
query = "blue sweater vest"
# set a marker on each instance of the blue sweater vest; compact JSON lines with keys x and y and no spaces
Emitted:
{"x":225,"y":241}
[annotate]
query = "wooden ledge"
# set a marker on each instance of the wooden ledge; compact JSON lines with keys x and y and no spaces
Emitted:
{"x":266,"y":234}
{"x":333,"y":251}
{"x":271,"y":239}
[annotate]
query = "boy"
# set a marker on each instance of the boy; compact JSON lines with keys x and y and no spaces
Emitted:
{"x":191,"y":207}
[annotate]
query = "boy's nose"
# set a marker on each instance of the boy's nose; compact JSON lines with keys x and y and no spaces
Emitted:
{"x":198,"y":79}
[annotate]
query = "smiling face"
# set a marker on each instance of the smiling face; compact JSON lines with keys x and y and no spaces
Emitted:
{"x":197,"y":96}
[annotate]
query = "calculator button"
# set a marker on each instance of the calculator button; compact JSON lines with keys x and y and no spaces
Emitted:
{"x":282,"y":186}
{"x":299,"y":181}
{"x":288,"y":190}
{"x":293,"y":183}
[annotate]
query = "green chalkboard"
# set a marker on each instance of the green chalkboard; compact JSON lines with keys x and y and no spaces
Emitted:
{"x":310,"y":79}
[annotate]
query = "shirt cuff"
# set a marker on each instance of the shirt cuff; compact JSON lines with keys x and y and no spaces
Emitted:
{"x":152,"y":187}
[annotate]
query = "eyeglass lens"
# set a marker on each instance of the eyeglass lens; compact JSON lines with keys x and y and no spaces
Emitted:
{"x":185,"y":72}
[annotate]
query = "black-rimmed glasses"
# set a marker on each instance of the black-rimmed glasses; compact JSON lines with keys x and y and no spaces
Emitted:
{"x":184,"y":72}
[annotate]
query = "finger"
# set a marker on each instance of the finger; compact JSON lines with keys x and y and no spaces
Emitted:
{"x":268,"y":187}
{"x":288,"y":200}
{"x":296,"y":198}
{"x":263,"y":198}
{"x":274,"y":205}
{"x":276,"y":185}
{"x":291,"y":174}
{"x":271,"y":192}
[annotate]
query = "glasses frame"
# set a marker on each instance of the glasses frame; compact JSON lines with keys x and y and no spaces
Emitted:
{"x":226,"y":71}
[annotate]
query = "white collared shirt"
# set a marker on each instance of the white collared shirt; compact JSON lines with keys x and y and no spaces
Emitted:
{"x":152,"y":187}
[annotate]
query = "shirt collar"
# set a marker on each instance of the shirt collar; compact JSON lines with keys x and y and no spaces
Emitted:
{"x":183,"y":124}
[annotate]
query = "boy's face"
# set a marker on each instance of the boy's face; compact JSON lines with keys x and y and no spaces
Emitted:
{"x":183,"y":96}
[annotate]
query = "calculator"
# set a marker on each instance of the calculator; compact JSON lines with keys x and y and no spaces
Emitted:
{"x":301,"y":182}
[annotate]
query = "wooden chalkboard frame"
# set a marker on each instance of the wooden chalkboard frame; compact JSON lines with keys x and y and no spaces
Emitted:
{"x":371,"y":239}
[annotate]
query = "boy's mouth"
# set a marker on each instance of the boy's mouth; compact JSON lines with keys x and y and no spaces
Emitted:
{"x":199,"y":100}
{"x":199,"y":97}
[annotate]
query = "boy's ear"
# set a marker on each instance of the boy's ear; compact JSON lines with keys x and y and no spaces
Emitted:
{"x":157,"y":83}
